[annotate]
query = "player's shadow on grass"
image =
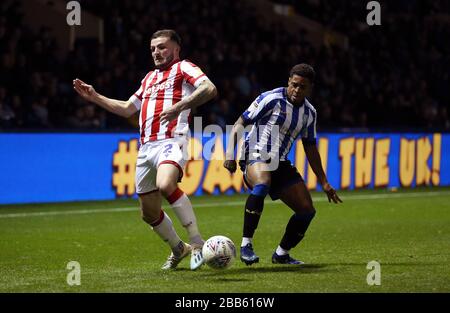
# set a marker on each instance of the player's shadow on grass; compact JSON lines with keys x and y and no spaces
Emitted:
{"x":230,"y":280}
{"x":382,"y":263}
{"x":304,"y":269}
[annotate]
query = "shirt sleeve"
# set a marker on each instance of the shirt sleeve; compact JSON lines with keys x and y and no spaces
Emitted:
{"x":137,"y":97}
{"x":309,"y":133}
{"x":258,"y":109}
{"x":192,"y":73}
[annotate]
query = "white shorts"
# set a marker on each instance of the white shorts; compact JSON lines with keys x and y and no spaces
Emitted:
{"x":151,"y":155}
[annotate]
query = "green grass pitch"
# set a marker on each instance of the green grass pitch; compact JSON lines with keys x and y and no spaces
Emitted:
{"x":407,"y":232}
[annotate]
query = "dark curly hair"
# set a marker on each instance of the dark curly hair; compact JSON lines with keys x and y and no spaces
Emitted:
{"x":304,"y":70}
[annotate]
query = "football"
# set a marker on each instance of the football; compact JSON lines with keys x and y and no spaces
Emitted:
{"x":219,"y":252}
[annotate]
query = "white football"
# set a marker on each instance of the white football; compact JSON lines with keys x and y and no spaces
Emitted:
{"x":219,"y":252}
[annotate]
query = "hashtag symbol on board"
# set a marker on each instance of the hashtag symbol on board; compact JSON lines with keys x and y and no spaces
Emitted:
{"x":124,"y":161}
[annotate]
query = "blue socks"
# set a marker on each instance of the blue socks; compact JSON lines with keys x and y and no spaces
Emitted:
{"x":253,"y":209}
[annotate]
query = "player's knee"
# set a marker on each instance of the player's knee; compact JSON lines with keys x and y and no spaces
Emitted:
{"x":167,"y":188}
{"x":263,"y":180}
{"x":307,"y":205}
{"x":260,"y":190}
{"x":257,"y":177}
{"x":305,"y":216}
{"x":310,"y":210}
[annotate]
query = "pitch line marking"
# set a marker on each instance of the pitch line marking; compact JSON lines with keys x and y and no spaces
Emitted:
{"x":214,"y":204}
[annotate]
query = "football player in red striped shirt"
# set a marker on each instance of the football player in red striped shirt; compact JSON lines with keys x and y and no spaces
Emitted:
{"x":165,"y":99}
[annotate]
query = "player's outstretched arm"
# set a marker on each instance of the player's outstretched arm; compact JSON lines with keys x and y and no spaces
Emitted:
{"x":316,"y":165}
{"x":230,"y":161}
{"x":204,"y":92}
{"x":122,"y":108}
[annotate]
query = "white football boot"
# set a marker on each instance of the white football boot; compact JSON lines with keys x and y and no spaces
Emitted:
{"x":196,"y":257}
{"x":173,"y":261}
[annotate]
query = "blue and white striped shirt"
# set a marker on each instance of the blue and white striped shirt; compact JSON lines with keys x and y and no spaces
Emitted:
{"x":271,"y":110}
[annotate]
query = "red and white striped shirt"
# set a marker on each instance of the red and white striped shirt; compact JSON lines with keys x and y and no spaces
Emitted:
{"x":160,"y":90}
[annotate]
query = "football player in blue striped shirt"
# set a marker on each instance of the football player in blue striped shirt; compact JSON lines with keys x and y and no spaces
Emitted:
{"x":277,"y":118}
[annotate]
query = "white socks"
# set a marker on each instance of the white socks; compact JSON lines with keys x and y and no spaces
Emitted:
{"x":182,"y":207}
{"x":164,"y":228}
{"x":281,"y":251}
{"x":246,"y":241}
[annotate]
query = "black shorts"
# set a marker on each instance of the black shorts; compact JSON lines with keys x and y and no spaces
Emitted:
{"x":283,"y":177}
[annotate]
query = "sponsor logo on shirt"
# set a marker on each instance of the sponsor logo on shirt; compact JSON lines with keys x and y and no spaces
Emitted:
{"x":157,"y":87}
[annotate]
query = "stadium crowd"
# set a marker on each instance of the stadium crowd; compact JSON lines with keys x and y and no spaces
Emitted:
{"x":395,"y":75}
